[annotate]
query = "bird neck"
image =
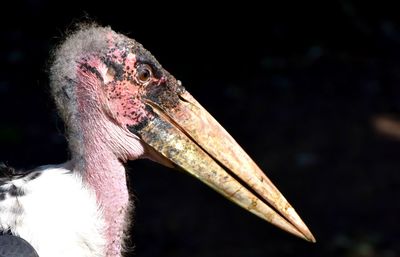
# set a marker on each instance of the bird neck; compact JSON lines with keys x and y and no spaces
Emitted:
{"x":105,"y":174}
{"x":109,"y":183}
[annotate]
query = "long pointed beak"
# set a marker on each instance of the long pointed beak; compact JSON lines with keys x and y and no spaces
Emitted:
{"x":188,"y":136}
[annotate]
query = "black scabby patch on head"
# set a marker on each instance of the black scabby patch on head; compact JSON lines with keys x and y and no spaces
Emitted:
{"x":118,"y":68}
{"x":87,"y":67}
{"x":135,"y":129}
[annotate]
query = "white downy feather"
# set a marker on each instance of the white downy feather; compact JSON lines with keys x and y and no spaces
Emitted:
{"x":55,"y":212}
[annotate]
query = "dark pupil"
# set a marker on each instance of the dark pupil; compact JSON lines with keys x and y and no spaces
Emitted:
{"x":144,"y":74}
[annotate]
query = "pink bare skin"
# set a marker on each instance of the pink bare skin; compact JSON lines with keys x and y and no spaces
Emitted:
{"x":107,"y":146}
{"x":110,"y":144}
{"x":106,"y":89}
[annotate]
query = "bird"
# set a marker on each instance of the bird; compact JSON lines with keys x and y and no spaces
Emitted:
{"x":119,"y":104}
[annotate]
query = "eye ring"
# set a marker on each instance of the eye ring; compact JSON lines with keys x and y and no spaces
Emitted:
{"x":144,"y":73}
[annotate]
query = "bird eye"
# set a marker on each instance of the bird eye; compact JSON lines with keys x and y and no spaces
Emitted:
{"x":144,"y":73}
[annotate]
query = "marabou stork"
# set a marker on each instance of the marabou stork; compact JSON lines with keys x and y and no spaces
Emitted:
{"x":119,"y":104}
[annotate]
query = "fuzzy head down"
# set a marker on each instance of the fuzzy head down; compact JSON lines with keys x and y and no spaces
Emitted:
{"x":98,"y":74}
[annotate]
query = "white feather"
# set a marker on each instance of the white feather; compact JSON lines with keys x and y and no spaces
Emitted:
{"x":57,"y":214}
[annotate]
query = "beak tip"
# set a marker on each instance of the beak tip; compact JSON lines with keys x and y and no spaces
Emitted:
{"x":308,"y":236}
{"x":293,"y":217}
{"x":311,"y":239}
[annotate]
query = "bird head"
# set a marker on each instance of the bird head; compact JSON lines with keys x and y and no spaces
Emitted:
{"x":102,"y":77}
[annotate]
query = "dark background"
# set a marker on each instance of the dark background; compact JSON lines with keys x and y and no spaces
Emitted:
{"x":301,"y":86}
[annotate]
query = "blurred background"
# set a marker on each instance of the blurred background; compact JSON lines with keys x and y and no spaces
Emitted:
{"x":310,"y":90}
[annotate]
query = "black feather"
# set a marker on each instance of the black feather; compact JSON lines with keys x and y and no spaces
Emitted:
{"x":14,"y":246}
{"x":8,"y":173}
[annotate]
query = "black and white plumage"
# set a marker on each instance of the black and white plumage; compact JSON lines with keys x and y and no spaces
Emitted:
{"x":49,"y":205}
{"x":119,"y":104}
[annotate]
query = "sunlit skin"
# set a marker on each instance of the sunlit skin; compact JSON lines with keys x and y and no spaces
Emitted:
{"x":140,"y":96}
{"x":119,"y":104}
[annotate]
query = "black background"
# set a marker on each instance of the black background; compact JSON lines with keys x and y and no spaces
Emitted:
{"x":298,"y":85}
